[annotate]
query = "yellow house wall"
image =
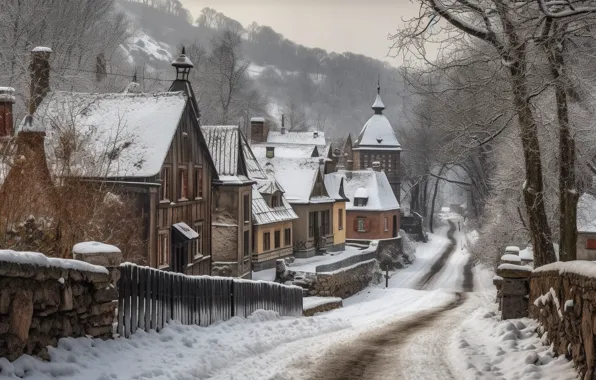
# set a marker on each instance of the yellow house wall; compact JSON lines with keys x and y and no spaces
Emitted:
{"x":271,"y":228}
{"x":339,"y":235}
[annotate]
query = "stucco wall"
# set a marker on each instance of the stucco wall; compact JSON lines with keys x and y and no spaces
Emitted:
{"x":339,"y":235}
{"x":376,"y":224}
{"x":301,"y":238}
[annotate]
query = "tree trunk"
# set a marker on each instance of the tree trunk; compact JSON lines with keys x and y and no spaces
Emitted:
{"x":568,"y":195}
{"x":432,"y":207}
{"x":533,"y":188}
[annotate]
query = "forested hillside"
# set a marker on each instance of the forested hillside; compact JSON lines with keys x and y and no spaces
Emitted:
{"x":314,"y":88}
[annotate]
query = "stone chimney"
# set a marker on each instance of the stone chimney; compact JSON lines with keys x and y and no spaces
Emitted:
{"x":6,"y":101}
{"x":40,"y":76}
{"x":283,"y":125}
{"x":259,"y":130}
{"x":350,"y":165}
{"x":376,"y":166}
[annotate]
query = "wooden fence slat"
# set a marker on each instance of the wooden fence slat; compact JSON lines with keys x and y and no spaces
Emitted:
{"x":134,"y":305}
{"x":127,"y":299}
{"x":121,"y":285}
{"x":148,"y":303}
{"x":142,"y":296}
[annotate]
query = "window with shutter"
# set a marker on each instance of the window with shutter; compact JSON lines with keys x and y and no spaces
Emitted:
{"x":362,"y":225}
{"x":591,"y":243}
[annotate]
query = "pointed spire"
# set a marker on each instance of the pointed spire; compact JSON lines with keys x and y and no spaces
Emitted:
{"x":378,"y":105}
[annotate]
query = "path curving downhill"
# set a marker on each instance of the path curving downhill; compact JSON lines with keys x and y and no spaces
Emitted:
{"x":413,"y":348}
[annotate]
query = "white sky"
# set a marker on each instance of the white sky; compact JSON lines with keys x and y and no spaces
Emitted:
{"x":358,"y":26}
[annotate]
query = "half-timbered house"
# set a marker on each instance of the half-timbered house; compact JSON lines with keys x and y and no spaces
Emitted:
{"x":147,"y":147}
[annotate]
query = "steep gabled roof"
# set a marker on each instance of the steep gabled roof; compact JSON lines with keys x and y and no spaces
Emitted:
{"x":115,"y":135}
{"x":377,"y":133}
{"x":226,"y":149}
{"x":335,"y":187}
{"x":262,"y":213}
{"x":375,"y":185}
{"x":297,"y":176}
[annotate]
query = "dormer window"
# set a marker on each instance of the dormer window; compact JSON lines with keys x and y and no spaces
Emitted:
{"x":360,"y":201}
{"x":361,"y":197}
{"x":274,"y":201}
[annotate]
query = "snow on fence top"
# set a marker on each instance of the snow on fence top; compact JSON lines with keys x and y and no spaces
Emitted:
{"x":39,"y":259}
{"x":510,"y":257}
{"x":579,"y":267}
{"x":91,"y":247}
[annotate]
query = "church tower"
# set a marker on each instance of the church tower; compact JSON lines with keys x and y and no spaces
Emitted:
{"x":377,"y":142}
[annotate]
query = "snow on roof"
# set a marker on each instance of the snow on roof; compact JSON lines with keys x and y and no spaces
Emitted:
{"x":255,"y":171}
{"x":39,"y":259}
{"x":361,"y":192}
{"x":119,"y":135}
{"x":586,"y":213}
{"x":310,"y":137}
{"x":378,"y":103}
{"x":380,"y":194}
{"x":7,"y":94}
{"x":580,"y":267}
{"x":334,"y":184}
{"x":297,"y":176}
{"x":262,"y":213}
{"x":224,"y":146}
{"x":285,"y":150}
{"x":376,"y":133}
{"x":91,"y":247}
{"x":185,"y":230}
{"x":257,"y":119}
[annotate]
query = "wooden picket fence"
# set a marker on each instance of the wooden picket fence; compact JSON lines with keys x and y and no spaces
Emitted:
{"x":148,"y":298}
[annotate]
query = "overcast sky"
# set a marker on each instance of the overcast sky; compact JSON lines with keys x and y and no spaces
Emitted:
{"x":359,"y":26}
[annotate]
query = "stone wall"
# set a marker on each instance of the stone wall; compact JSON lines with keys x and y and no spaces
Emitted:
{"x":43,"y":301}
{"x":345,"y":282}
{"x":563,"y":299}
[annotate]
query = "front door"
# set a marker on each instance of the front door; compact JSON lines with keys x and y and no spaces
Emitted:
{"x":179,"y":251}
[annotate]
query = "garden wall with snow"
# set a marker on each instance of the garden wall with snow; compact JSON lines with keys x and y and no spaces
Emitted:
{"x":563,"y":299}
{"x":44,"y":299}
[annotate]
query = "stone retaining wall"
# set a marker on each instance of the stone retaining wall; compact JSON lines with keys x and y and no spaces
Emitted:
{"x":41,"y":304}
{"x":345,"y":282}
{"x":563,"y":299}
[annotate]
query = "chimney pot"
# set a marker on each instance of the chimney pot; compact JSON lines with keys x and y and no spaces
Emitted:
{"x":259,"y":130}
{"x":270,"y":151}
{"x":350,"y":165}
{"x":315,"y":134}
{"x":283,"y":125}
{"x":376,"y":166}
{"x":7,"y":99}
{"x":40,"y":76}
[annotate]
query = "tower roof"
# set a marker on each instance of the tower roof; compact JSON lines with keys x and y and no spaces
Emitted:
{"x":183,"y":61}
{"x":378,"y":106}
{"x":377,"y":133}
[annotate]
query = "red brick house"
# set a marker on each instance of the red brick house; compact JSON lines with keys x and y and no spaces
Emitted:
{"x":372,"y":211}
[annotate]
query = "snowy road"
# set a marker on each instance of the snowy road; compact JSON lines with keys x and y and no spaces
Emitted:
{"x":412,"y":347}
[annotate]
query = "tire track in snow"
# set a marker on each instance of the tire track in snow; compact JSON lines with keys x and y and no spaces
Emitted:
{"x":425,"y":281}
{"x":377,"y":355}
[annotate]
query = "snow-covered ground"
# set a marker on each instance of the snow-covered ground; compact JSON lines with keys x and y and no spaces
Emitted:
{"x":466,"y":338}
{"x":486,"y":348}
